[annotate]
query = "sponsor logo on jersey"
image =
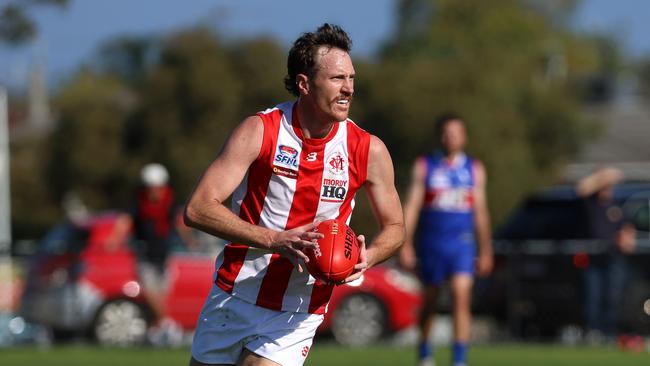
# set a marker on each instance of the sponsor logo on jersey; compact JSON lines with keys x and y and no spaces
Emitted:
{"x":284,"y":172}
{"x":336,"y":163}
{"x":459,"y":199}
{"x":334,"y":190}
{"x":305,"y":351}
{"x":287,"y":156}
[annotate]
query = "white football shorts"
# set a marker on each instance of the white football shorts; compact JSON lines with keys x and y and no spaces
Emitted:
{"x":228,"y":324}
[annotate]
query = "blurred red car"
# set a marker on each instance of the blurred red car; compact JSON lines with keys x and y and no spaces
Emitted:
{"x":84,"y":278}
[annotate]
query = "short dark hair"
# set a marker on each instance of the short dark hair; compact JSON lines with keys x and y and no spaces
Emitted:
{"x":443,"y":119}
{"x":302,"y":56}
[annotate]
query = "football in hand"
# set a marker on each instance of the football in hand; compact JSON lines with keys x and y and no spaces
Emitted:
{"x":337,"y":252}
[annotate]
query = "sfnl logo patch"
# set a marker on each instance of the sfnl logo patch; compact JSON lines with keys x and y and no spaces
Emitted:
{"x":286,"y":162}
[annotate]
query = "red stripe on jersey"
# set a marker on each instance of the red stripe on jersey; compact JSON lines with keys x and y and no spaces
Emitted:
{"x":358,"y":143}
{"x":303,"y":211}
{"x":233,"y":259}
{"x":358,"y":149}
{"x":430,"y":196}
{"x":320,"y":296}
{"x":259,"y":175}
{"x":308,"y":185}
{"x":275,"y":283}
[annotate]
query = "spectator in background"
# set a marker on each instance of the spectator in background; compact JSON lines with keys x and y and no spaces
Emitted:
{"x":446,"y":211}
{"x":154,"y":224}
{"x":604,"y":278}
{"x":153,"y":216}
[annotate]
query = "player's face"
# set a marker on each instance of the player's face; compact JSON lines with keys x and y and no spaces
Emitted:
{"x":454,"y":137}
{"x":332,"y":86}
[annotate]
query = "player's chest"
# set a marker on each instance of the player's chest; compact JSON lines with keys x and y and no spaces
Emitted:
{"x":444,"y":177}
{"x":322,"y":170}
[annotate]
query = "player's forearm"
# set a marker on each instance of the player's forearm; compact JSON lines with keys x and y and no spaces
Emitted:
{"x":410,"y":222}
{"x":389,"y":240}
{"x":216,"y":219}
{"x":484,"y":234}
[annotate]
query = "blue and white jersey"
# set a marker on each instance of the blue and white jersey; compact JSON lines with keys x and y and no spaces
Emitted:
{"x":447,"y":215}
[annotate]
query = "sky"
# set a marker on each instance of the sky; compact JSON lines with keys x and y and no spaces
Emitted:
{"x":69,"y":37}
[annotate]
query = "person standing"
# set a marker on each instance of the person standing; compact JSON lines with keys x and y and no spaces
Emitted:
{"x":286,"y":168}
{"x":604,"y":277}
{"x":446,"y":213}
{"x":154,"y":228}
{"x":153,"y":214}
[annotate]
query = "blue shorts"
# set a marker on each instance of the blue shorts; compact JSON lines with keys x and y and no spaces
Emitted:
{"x":438,"y":263}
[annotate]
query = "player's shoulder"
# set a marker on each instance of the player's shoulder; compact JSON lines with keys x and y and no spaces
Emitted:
{"x":478,"y":170}
{"x":355,"y":129}
{"x":377,"y":146}
{"x":275,"y":114}
{"x":251,"y":124}
{"x":476,"y":163}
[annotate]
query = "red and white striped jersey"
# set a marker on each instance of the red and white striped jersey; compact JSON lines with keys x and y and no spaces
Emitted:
{"x":293,"y":181}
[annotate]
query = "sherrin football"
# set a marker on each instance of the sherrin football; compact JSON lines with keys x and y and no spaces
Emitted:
{"x":337,"y":252}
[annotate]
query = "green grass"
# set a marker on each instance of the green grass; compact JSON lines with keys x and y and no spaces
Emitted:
{"x":329,"y":354}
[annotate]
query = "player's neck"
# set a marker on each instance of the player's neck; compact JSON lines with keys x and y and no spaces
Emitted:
{"x":452,"y":156}
{"x":313,"y":123}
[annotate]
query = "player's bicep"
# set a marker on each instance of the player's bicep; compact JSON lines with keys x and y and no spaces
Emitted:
{"x":480,"y":196}
{"x":229,"y":168}
{"x":380,"y":185}
{"x":416,"y":190}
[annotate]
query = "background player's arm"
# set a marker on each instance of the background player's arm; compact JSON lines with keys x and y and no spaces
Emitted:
{"x":482,"y":222}
{"x":384,"y":200}
{"x":205,"y":209}
{"x":412,"y":207}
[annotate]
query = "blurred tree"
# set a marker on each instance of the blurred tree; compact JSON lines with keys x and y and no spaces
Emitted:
{"x":130,"y":58}
{"x":503,"y":65}
{"x":260,"y":67}
{"x":16,"y":26}
{"x":190,"y":102}
{"x":85,"y":152}
{"x":643,"y":71}
{"x":510,"y":69}
{"x":33,"y":211}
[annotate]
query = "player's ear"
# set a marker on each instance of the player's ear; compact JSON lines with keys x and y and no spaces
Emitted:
{"x":302,"y":82}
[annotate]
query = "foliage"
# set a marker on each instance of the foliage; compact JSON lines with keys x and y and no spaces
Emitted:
{"x":508,"y":69}
{"x":16,"y":26}
{"x":511,"y":70}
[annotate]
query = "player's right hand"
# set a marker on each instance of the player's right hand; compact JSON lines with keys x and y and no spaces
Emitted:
{"x":291,"y":243}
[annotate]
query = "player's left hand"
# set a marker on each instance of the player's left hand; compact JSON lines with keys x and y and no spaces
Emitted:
{"x":362,"y":264}
{"x":484,"y":265}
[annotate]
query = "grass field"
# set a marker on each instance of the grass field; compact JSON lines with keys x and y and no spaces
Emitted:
{"x":326,"y":354}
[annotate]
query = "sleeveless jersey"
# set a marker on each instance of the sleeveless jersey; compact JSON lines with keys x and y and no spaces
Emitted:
{"x":293,"y":181}
{"x":447,"y":212}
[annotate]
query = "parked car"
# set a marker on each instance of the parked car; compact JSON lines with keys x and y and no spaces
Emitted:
{"x":79,"y":280}
{"x":385,"y":300}
{"x":541,"y":252}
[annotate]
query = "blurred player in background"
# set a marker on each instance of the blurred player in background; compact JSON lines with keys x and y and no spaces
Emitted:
{"x":446,"y":214}
{"x":605,"y":275}
{"x":155,"y":228}
{"x":153,"y":214}
{"x":286,"y":167}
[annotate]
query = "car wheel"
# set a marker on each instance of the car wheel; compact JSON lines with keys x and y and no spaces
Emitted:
{"x":360,"y":319}
{"x":120,"y":323}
